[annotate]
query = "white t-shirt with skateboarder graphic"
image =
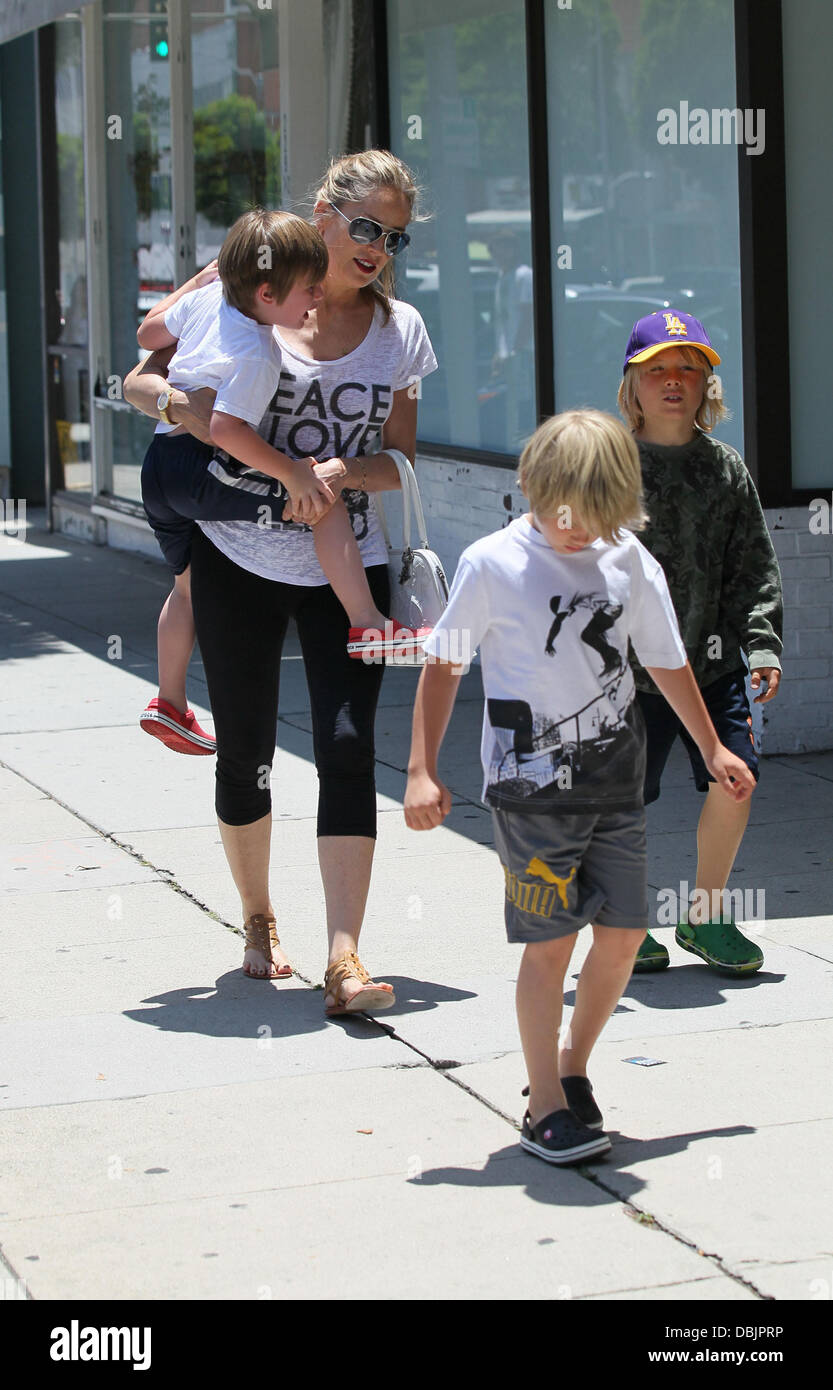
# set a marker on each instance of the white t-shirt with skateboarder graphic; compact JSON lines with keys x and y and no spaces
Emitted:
{"x":561,"y":730}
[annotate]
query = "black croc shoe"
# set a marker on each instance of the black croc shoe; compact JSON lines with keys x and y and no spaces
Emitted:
{"x":560,"y":1138}
{"x":579,"y":1096}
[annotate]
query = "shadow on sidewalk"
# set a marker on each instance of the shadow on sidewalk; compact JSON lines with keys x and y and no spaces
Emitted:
{"x":237,"y":1007}
{"x":685,"y":987}
{"x":416,"y":996}
{"x":513,"y":1167}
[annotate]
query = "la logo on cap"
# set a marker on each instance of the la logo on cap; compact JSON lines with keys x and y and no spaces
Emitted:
{"x":675,"y":325}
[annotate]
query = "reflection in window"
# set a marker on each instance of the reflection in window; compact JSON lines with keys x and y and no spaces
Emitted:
{"x":236,"y":117}
{"x":69,"y":355}
{"x":459,"y":119}
{"x":140,"y":247}
{"x":638,"y":225}
{"x":236,"y":165}
{"x":5,"y":436}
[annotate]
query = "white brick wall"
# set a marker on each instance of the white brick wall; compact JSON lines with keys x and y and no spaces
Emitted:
{"x":463,"y":501}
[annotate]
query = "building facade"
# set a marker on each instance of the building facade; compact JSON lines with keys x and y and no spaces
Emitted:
{"x":583,"y":162}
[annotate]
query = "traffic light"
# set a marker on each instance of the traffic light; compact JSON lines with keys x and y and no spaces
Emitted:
{"x":159,"y":32}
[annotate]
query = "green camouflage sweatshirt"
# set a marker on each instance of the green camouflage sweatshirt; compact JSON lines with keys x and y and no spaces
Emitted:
{"x":707,"y":529}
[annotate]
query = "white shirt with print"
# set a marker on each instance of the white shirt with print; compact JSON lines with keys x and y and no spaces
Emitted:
{"x":329,"y":410}
{"x":560,"y":727}
{"x":219,"y":347}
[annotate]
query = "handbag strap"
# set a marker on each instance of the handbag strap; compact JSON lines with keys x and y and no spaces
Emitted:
{"x":411,"y":503}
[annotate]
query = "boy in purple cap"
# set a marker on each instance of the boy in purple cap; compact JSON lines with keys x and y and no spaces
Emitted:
{"x":707,"y":530}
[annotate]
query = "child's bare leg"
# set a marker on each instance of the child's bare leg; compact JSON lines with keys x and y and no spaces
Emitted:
{"x":176,"y":635}
{"x":339,"y":558}
{"x":719,"y":833}
{"x":538,"y":1000}
{"x":603,"y":978}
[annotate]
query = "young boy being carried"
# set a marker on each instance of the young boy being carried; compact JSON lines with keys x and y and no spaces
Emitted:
{"x":551,"y":601}
{"x":270,"y":270}
{"x":709,"y":533}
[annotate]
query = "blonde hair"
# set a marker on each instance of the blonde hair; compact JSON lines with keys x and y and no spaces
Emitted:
{"x":711,"y":411}
{"x":586,"y":460}
{"x":269,"y":248}
{"x":354,"y":177}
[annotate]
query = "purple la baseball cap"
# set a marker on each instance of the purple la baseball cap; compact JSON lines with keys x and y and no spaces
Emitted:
{"x":667,"y":328}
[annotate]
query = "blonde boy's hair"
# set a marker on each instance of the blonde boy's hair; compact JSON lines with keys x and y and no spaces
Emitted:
{"x":711,"y":411}
{"x":587,"y":461}
{"x":355,"y":177}
{"x":269,"y":248}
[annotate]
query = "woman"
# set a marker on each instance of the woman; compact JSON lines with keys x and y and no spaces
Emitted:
{"x":348,"y":375}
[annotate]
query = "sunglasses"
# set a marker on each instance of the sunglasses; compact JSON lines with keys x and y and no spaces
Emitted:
{"x":365,"y":231}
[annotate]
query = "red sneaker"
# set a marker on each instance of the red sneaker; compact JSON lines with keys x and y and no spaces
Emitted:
{"x":398,"y":645}
{"x":181,"y":732}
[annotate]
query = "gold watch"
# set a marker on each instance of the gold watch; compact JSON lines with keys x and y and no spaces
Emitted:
{"x":162,"y":404}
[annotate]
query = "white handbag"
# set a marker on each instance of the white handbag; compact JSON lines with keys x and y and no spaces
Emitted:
{"x":418,"y":586}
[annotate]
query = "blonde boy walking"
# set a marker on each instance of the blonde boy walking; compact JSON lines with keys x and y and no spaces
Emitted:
{"x":552,"y":601}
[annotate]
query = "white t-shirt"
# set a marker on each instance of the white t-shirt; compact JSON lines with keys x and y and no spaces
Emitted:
{"x":222,"y":348}
{"x":561,"y":731}
{"x":329,"y":410}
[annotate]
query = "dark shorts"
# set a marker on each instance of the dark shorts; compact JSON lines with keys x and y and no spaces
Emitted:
{"x":179,"y":489}
{"x":725,"y":699}
{"x":562,"y":872}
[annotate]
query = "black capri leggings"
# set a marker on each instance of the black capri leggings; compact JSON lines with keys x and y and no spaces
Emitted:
{"x":241,"y":622}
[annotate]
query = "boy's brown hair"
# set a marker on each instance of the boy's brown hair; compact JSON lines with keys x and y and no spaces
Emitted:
{"x":271,"y":248}
{"x":587,"y":461}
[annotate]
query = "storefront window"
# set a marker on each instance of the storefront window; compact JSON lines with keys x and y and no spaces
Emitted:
{"x":644,"y":209}
{"x":459,"y":120}
{"x":140,"y":249}
{"x":237,"y":153}
{"x":234,"y":109}
{"x":5,"y":439}
{"x":808,"y":110}
{"x":69,"y":355}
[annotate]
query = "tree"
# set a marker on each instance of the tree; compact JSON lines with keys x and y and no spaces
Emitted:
{"x":236,"y":159}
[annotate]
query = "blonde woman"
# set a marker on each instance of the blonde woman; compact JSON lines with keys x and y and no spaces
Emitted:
{"x":347,"y":377}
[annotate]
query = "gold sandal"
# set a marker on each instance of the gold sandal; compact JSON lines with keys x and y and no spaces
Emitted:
{"x":372,"y":997}
{"x":261,"y":936}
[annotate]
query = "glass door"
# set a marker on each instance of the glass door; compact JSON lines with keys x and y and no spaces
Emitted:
{"x":138,"y":205}
{"x":68,"y":354}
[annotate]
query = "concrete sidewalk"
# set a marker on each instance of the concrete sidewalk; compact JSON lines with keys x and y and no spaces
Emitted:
{"x":174,"y":1130}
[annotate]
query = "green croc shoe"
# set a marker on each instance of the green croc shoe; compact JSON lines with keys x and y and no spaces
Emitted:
{"x":650,"y":956}
{"x":721,"y":946}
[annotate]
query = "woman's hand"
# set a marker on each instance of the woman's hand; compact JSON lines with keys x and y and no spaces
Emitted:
{"x":330,"y":472}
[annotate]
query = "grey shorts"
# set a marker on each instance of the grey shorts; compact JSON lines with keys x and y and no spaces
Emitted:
{"x":562,"y":872}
